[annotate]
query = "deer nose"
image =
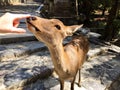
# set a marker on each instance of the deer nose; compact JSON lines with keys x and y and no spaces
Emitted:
{"x":32,"y":18}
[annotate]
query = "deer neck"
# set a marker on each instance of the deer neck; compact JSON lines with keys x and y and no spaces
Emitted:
{"x":58,"y":56}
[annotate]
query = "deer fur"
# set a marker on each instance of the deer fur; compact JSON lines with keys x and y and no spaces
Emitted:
{"x":67,"y":59}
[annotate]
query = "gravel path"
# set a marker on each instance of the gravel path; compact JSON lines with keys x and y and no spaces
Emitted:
{"x":32,"y":71}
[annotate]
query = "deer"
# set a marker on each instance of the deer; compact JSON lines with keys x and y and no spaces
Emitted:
{"x":67,"y":59}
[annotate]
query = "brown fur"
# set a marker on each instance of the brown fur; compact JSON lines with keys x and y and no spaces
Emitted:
{"x":68,"y":59}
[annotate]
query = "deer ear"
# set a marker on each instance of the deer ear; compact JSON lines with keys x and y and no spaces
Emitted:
{"x":71,"y":29}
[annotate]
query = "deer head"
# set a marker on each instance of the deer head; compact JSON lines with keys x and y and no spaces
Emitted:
{"x":50,"y":30}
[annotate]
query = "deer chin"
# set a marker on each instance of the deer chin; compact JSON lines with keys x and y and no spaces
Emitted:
{"x":31,"y":28}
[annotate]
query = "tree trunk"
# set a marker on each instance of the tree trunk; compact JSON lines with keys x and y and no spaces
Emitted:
{"x":103,"y":11}
{"x":109,"y":30}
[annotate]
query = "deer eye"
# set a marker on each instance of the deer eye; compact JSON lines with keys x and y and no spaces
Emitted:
{"x":58,"y":27}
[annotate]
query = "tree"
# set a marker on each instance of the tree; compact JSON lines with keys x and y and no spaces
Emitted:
{"x":104,"y":5}
{"x":109,"y":30}
{"x":87,"y":8}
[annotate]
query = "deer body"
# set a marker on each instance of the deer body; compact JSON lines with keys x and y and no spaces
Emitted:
{"x":67,"y":59}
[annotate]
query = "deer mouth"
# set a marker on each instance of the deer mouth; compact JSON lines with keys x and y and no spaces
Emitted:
{"x":28,"y":20}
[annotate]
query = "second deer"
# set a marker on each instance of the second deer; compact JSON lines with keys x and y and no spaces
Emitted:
{"x":67,"y":59}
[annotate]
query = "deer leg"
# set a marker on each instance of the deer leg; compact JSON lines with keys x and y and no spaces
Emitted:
{"x":79,"y":79}
{"x":72,"y":83}
{"x":61,"y":84}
